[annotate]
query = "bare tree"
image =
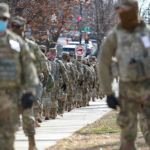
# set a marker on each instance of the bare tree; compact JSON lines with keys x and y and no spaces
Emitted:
{"x":144,"y":10}
{"x":101,"y":17}
{"x":46,"y":18}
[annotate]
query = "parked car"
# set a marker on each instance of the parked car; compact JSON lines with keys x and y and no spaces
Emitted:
{"x":94,"y":41}
{"x":69,"y":48}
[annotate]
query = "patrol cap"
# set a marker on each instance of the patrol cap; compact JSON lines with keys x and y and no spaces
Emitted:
{"x":84,"y":60}
{"x":31,"y":38}
{"x":43,"y":47}
{"x":65,"y":53}
{"x":93,"y":58}
{"x":126,"y":4}
{"x":4,"y":10}
{"x":53,"y":50}
{"x":19,"y":20}
{"x":79,"y":57}
{"x":71,"y":54}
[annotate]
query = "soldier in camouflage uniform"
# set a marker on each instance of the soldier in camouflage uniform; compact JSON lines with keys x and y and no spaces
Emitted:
{"x":129,"y":42}
{"x":97,"y":92}
{"x":79,"y":77}
{"x":89,"y":81}
{"x":80,"y":83}
{"x":72,"y":77}
{"x":18,"y":79}
{"x":93,"y":83}
{"x":49,"y":87}
{"x":18,"y":26}
{"x":58,"y":94}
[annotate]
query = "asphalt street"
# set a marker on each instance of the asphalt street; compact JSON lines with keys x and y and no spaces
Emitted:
{"x":54,"y":130}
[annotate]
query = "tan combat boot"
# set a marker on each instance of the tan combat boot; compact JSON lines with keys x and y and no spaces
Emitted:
{"x":37,"y":124}
{"x":54,"y":114}
{"x":84,"y":104}
{"x":47,"y":115}
{"x":32,"y":145}
{"x":40,"y":120}
{"x":78,"y":104}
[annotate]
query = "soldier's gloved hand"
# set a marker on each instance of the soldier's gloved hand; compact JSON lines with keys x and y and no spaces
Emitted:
{"x":112,"y":101}
{"x":81,"y":83}
{"x":27,"y":100}
{"x":64,"y":87}
{"x":93,"y":86}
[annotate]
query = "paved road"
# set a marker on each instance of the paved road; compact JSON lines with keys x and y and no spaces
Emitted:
{"x":62,"y":127}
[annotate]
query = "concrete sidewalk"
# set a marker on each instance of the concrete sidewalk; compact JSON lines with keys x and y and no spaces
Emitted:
{"x":54,"y":130}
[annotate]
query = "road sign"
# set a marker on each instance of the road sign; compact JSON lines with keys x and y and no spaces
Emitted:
{"x":79,"y":50}
{"x":87,"y":29}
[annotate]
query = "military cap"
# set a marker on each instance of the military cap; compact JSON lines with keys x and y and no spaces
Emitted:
{"x":31,"y":38}
{"x":71,"y":54}
{"x":85,"y":59}
{"x":126,"y":4}
{"x":53,"y":50}
{"x":65,"y":53}
{"x":21,"y":21}
{"x":79,"y":57}
{"x":42,"y":47}
{"x":93,"y":58}
{"x":4,"y":10}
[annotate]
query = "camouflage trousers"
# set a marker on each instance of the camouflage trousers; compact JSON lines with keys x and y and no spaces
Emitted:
{"x":38,"y":102}
{"x":74,"y":92}
{"x":47,"y":101}
{"x":85,"y":93}
{"x":54,"y":100}
{"x":134,"y":99}
{"x":62,"y":98}
{"x":89,"y":94}
{"x":28,"y":120}
{"x":61,"y":106}
{"x":78,"y":96}
{"x":8,"y":118}
{"x":99,"y":91}
{"x":36,"y":109}
{"x":93,"y":93}
{"x":69,"y":101}
{"x":46,"y":105}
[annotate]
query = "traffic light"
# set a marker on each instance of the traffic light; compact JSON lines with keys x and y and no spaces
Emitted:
{"x":79,"y":18}
{"x":86,"y":39}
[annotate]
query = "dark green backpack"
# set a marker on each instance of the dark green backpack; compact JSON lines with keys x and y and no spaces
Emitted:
{"x":50,"y":84}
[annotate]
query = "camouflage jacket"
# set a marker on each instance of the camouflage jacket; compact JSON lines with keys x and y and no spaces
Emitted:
{"x":79,"y":68}
{"x":94,"y":67}
{"x":88,"y":76}
{"x":123,"y":45}
{"x":58,"y":71}
{"x":41,"y":61}
{"x":70,"y":71}
{"x":17,"y":64}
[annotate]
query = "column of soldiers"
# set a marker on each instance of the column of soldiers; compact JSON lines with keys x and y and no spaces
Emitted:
{"x":34,"y":83}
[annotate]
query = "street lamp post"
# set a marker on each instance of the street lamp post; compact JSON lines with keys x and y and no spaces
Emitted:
{"x":80,"y":29}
